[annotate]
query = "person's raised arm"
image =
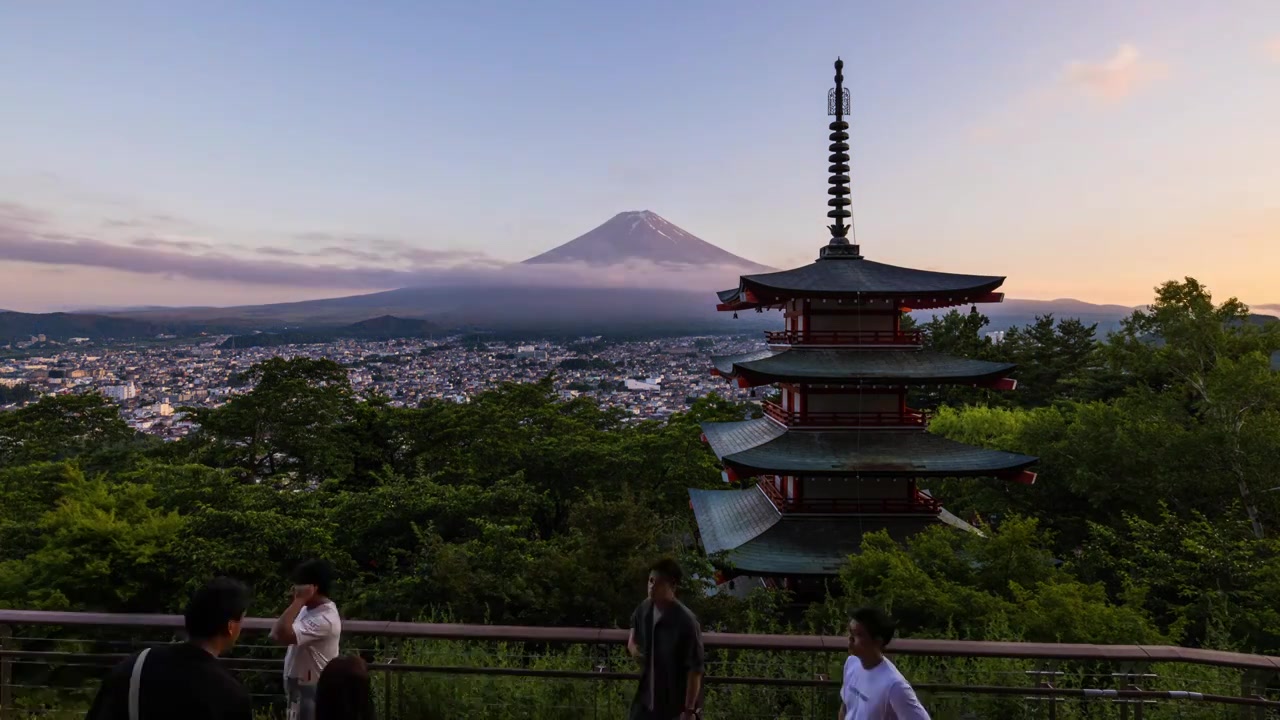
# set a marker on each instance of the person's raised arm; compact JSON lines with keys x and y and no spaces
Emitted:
{"x":282,"y":632}
{"x":905,"y":704}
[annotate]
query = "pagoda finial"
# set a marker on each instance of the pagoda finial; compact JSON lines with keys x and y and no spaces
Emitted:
{"x":838,"y":104}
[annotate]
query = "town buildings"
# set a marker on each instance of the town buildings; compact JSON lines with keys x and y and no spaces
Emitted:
{"x":152,"y":382}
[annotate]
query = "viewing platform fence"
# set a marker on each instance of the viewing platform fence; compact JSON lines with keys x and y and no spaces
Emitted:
{"x":51,"y":664}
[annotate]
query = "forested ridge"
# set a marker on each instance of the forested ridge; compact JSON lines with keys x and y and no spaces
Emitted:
{"x":1153,"y":520}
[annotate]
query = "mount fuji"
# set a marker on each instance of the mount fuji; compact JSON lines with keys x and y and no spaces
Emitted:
{"x":646,"y":236}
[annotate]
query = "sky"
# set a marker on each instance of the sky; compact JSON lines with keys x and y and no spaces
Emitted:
{"x":162,"y":153}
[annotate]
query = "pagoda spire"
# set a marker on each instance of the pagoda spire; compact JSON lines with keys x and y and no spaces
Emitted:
{"x":838,"y":104}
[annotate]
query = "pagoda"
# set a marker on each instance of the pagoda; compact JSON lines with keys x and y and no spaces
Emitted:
{"x":839,"y":453}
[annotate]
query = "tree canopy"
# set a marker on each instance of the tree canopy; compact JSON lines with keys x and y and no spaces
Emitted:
{"x":1154,"y":518}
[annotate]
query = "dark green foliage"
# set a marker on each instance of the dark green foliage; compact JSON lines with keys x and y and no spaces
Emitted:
{"x":1152,"y":519}
{"x":16,"y":394}
{"x":60,"y":426}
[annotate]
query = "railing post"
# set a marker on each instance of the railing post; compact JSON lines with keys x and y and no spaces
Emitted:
{"x":6,"y":672}
{"x":1253,"y":683}
{"x":1045,"y":677}
{"x":386,"y":690}
{"x":1128,"y":677}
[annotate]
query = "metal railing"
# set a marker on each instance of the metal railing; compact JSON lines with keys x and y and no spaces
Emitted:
{"x":813,"y":420}
{"x":921,"y":504}
{"x":906,"y":338}
{"x":50,"y":664}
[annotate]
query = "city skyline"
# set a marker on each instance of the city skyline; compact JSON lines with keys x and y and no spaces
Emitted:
{"x":190,"y":156}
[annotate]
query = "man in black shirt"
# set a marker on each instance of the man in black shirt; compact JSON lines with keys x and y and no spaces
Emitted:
{"x":184,"y":680}
{"x":667,"y":640}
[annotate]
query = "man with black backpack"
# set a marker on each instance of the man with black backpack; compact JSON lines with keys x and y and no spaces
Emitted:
{"x":184,"y":680}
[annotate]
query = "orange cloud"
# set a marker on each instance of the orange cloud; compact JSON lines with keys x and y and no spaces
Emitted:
{"x":1271,"y":49}
{"x":1115,"y":78}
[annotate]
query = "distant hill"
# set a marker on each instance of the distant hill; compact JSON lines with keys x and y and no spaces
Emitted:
{"x":385,"y":327}
{"x":61,"y":326}
{"x":642,"y":235}
{"x":1014,"y":312}
{"x":565,"y":310}
{"x":582,"y":311}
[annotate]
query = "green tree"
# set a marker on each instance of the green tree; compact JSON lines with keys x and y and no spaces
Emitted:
{"x":1217,"y":363}
{"x":289,"y":428}
{"x":1210,"y":582}
{"x":960,"y":335}
{"x":61,"y":426}
{"x":1055,"y":359}
{"x":1003,"y":582}
{"x":103,"y":548}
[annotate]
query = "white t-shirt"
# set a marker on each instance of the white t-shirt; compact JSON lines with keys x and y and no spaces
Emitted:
{"x":318,"y":630}
{"x":880,"y":693}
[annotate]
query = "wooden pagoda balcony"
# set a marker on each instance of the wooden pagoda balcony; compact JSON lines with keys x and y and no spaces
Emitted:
{"x":812,"y":420}
{"x":920,"y":504}
{"x":879,"y":338}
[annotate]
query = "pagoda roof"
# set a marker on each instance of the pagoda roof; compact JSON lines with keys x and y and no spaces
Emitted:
{"x":855,"y":276}
{"x":762,"y":446}
{"x":855,"y":366}
{"x":756,"y":539}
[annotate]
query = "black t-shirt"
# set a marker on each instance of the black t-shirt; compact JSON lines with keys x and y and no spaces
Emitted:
{"x":178,"y":681}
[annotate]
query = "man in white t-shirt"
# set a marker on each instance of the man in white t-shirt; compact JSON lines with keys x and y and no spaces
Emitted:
{"x":873,"y":688}
{"x":312,"y":628}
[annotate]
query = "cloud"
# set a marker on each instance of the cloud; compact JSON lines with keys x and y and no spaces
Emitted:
{"x":348,"y":252}
{"x":377,"y":263}
{"x":1109,"y":82}
{"x":279,"y":252}
{"x":57,"y":249}
{"x":21,"y":215}
{"x":1115,"y":78}
{"x":27,"y":235}
{"x":374,"y":248}
{"x":1271,"y":49}
{"x":339,"y":238}
{"x":157,"y":222}
{"x":180,"y":245}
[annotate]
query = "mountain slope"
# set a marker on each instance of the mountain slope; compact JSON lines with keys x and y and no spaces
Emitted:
{"x":642,"y":235}
{"x":60,"y":326}
{"x":386,"y":327}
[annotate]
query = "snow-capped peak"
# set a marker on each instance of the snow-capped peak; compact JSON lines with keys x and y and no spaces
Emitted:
{"x":640,"y":234}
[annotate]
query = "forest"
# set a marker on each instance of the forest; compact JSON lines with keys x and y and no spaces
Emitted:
{"x":1154,"y":519}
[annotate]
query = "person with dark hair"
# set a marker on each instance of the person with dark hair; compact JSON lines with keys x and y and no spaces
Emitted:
{"x":667,"y":640}
{"x":873,"y":688}
{"x":343,"y":692}
{"x":312,"y":628}
{"x":185,"y":679}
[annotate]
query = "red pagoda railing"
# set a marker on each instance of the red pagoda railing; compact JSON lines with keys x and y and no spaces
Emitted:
{"x":845,"y":337}
{"x":921,"y":504}
{"x":793,"y":419}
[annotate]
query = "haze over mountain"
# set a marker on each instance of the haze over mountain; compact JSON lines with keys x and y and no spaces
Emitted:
{"x":642,"y":235}
{"x":637,"y":272}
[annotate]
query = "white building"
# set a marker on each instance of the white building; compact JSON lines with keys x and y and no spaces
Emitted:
{"x":120,"y":393}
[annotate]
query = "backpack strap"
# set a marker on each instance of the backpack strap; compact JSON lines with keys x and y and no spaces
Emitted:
{"x":135,"y":681}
